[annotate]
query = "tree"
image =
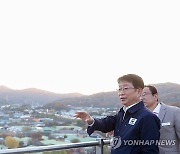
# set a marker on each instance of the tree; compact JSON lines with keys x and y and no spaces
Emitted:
{"x":27,"y":129}
{"x":36,"y":136}
{"x":11,"y":142}
{"x":65,"y":136}
{"x":75,"y":140}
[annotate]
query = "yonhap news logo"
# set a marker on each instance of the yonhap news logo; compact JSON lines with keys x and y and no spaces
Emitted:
{"x":149,"y":142}
{"x":116,"y":142}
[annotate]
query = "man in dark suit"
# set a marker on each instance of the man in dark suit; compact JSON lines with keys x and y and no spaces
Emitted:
{"x":170,"y":121}
{"x":136,"y":129}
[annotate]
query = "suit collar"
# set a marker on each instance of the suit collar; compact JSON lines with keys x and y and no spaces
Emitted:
{"x":162,"y":111}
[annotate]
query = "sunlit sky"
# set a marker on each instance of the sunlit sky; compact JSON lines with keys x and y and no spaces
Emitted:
{"x":84,"y":46}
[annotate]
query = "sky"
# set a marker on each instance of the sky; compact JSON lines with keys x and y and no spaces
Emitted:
{"x":85,"y":46}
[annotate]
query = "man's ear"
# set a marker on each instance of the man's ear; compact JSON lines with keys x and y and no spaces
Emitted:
{"x":139,"y":90}
{"x":156,"y":96}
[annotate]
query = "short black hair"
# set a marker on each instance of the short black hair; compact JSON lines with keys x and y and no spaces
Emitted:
{"x":152,"y":89}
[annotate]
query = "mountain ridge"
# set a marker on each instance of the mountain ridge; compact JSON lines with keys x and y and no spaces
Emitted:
{"x":168,"y":93}
{"x":31,"y":95}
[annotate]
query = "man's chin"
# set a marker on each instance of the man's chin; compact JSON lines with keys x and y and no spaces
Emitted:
{"x":124,"y":103}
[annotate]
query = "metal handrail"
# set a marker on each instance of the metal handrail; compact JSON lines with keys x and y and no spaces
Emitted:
{"x":99,"y":142}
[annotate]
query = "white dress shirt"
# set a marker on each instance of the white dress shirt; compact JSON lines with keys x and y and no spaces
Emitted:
{"x":157,"y":109}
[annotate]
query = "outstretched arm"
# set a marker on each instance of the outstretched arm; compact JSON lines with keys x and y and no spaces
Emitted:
{"x":104,"y":125}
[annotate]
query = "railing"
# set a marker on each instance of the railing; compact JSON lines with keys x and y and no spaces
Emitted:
{"x":99,"y":147}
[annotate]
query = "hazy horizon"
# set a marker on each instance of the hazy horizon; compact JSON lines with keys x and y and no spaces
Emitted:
{"x":71,"y":92}
{"x":84,"y":46}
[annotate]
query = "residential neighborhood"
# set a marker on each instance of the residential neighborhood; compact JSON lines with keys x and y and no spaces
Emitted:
{"x":35,"y":126}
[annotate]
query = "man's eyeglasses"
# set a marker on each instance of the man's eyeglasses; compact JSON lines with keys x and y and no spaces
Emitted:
{"x":145,"y":94}
{"x":124,"y":89}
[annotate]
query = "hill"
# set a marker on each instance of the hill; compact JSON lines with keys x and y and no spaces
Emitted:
{"x":169,"y":93}
{"x":104,"y":99}
{"x":31,"y":96}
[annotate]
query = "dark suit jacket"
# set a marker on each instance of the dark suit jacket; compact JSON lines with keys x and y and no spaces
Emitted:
{"x":170,"y":129}
{"x":136,"y":134}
